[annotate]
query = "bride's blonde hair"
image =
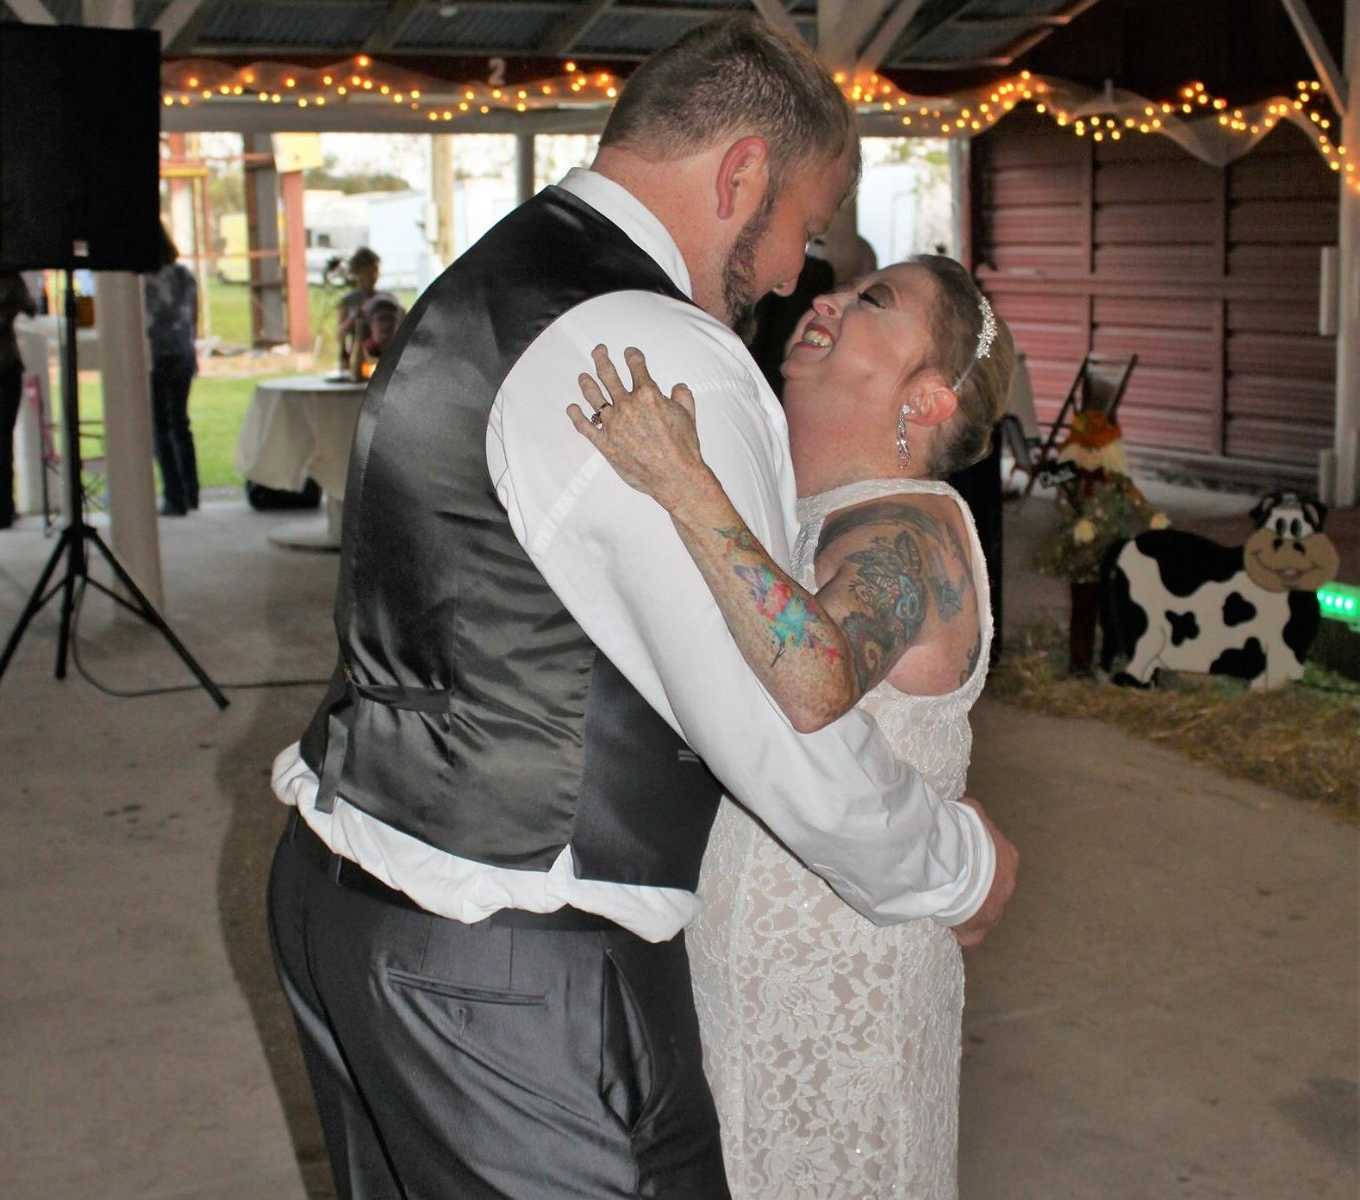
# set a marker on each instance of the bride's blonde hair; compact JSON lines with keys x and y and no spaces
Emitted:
{"x":980,"y":383}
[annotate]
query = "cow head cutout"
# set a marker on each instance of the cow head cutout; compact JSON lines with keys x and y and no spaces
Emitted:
{"x":1288,"y":551}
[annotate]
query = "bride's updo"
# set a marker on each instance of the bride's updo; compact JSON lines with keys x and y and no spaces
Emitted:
{"x":981,"y":384}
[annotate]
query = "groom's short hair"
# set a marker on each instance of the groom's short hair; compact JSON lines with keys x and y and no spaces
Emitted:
{"x":731,"y":78}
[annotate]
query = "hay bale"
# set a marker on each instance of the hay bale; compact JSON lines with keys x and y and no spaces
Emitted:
{"x":1303,"y":739}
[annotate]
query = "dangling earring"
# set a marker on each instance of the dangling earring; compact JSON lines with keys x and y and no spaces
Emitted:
{"x":903,"y":446}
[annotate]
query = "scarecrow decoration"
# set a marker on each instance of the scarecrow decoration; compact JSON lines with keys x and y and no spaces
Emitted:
{"x":1099,"y":507}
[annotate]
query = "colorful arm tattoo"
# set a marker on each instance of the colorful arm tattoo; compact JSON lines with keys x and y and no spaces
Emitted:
{"x":791,"y":623}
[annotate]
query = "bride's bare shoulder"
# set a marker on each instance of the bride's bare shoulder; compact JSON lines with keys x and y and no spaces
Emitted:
{"x":931,"y":517}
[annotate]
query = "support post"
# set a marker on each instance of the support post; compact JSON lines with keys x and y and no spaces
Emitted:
{"x":441,"y":186}
{"x":295,"y":278}
{"x":524,"y":167}
{"x":961,"y":201}
{"x":1347,"y":440}
{"x":262,"y":228}
{"x":127,"y":429}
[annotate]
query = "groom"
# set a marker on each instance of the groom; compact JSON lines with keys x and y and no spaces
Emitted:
{"x":501,"y":806}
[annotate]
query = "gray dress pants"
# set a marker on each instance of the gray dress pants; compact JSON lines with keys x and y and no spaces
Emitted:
{"x":472,"y":1062}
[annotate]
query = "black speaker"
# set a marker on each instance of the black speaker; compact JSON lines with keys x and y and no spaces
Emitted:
{"x":79,"y":148}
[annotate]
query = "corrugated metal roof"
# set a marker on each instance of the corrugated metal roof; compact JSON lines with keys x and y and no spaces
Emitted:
{"x":470,"y":29}
{"x":941,"y":34}
{"x":287,"y":25}
{"x":950,"y":32}
{"x":70,"y":12}
{"x":627,"y":34}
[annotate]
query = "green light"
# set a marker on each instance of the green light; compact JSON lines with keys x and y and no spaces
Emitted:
{"x":1340,"y":602}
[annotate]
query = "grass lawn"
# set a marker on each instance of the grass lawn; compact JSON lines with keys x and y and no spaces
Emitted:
{"x":217,"y":407}
{"x":222,"y":391}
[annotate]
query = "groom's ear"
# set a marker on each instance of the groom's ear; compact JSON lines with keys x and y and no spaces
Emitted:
{"x":743,"y":175}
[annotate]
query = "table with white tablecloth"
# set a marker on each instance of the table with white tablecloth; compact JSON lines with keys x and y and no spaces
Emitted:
{"x":298,"y":428}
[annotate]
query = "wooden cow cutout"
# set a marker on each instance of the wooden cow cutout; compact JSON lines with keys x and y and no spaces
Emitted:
{"x":1176,"y":600}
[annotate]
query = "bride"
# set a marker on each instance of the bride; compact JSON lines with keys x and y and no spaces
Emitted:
{"x":832,"y":1045}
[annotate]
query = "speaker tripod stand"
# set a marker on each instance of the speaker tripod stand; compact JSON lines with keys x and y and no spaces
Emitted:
{"x":76,"y":539}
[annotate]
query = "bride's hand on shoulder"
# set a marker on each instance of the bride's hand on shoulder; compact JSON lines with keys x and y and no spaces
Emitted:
{"x":648,"y":437}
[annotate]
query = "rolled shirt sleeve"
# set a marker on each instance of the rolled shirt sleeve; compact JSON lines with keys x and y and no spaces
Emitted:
{"x":838,"y":798}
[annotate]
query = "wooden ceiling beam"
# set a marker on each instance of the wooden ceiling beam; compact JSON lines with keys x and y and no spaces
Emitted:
{"x":877,"y":48}
{"x":107,"y":14}
{"x":31,"y":12}
{"x":302,"y":50}
{"x":180,"y":43}
{"x":1328,"y":73}
{"x":389,"y":30}
{"x":1036,"y":31}
{"x":777,"y":16}
{"x":174,"y":17}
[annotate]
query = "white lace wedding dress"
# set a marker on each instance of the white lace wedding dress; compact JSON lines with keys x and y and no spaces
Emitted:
{"x":832,"y":1045}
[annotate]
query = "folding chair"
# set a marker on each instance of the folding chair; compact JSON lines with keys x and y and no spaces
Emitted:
{"x":1099,"y":386}
{"x":1024,"y":450}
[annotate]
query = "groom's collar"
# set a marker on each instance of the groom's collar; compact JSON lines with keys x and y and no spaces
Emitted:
{"x":619,"y":205}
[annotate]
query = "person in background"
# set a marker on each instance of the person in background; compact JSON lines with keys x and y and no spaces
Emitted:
{"x":363,"y":272}
{"x":171,"y":320}
{"x":14,"y":299}
{"x":375,"y":325}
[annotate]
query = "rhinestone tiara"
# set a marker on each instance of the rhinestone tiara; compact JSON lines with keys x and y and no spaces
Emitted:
{"x":986,"y":336}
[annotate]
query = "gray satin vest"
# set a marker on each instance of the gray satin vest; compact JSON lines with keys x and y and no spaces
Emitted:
{"x":468,"y":708}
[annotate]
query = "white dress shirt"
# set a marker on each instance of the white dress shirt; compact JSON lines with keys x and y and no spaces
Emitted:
{"x":837,"y":798}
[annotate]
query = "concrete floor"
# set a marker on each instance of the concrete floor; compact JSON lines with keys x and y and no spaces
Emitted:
{"x":1169,"y":1009}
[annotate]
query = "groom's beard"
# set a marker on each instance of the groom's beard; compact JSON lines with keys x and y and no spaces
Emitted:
{"x":738,"y":273}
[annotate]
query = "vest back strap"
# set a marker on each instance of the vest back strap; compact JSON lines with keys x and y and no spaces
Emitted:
{"x":340,"y":721}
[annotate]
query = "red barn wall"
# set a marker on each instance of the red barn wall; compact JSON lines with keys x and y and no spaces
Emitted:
{"x":1210,"y":275}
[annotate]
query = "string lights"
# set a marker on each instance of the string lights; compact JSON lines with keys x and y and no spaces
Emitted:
{"x":1209,"y":126}
{"x":191,"y":82}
